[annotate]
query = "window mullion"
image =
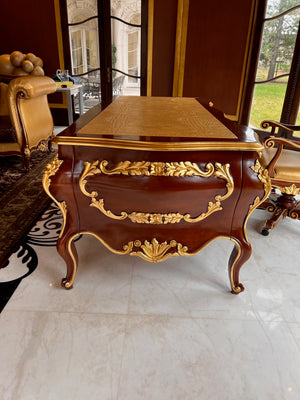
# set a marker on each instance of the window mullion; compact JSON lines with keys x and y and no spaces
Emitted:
{"x":292,"y":96}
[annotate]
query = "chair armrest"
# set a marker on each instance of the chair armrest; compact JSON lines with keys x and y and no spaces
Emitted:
{"x":30,"y":86}
{"x":27,"y":104}
{"x":271,"y":141}
{"x":273,"y":124}
{"x":281,"y":142}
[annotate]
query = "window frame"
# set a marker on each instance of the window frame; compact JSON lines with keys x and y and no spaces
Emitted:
{"x":292,"y":96}
{"x":104,"y":45}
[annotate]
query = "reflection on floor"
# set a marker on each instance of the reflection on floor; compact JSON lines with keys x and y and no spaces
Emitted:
{"x":131,"y":330}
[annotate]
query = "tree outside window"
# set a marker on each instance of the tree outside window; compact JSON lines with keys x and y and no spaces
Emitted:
{"x":281,"y":28}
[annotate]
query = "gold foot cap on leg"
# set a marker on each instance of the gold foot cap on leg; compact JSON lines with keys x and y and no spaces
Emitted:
{"x":237,"y":289}
{"x":66,"y":284}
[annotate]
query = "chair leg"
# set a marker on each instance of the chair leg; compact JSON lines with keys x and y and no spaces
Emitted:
{"x":50,"y":146}
{"x":279,"y":214}
{"x":26,"y":159}
{"x":294,"y":213}
{"x":285,"y":205}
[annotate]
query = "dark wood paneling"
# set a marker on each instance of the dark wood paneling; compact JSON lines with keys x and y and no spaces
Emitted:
{"x":164,"y":34}
{"x":30,"y":26}
{"x":215,"y":51}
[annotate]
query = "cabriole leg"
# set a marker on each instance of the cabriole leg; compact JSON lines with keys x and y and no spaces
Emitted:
{"x":66,"y":248}
{"x":240,"y":254}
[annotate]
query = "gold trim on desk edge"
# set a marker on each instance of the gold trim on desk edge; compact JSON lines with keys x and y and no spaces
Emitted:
{"x":51,"y":170}
{"x":263,"y":176}
{"x":158,"y":146}
{"x":175,"y":169}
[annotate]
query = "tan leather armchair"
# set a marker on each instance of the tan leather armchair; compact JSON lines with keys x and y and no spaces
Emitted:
{"x":26,"y":122}
{"x":282,"y":160}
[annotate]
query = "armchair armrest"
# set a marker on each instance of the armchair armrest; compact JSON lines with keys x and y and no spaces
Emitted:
{"x":30,"y":86}
{"x":28,"y":108}
{"x":273,"y":124}
{"x":281,"y":142}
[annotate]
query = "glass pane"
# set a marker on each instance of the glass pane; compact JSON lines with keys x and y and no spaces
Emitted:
{"x":76,"y":52}
{"x":80,"y":10}
{"x":267,"y":102}
{"x":127,"y":10}
{"x":85,"y":50}
{"x":277,"y":46}
{"x":297,"y":134}
{"x":126,"y":44}
{"x":276,"y":7}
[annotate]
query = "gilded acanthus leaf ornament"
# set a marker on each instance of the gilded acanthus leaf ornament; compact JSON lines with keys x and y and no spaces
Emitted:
{"x":263,"y":176}
{"x":156,"y":168}
{"x":146,"y":168}
{"x":293,"y":190}
{"x":51,"y":170}
{"x":156,"y":252}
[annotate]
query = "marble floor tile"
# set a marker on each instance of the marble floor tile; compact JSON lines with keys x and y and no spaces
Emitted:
{"x":191,"y":286}
{"x":60,"y":356}
{"x":102,"y":283}
{"x":295,"y":330}
{"x":277,"y":256}
{"x":140,"y":331}
{"x":183,"y":358}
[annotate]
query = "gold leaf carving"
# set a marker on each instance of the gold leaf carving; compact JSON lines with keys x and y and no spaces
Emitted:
{"x":156,"y":168}
{"x":289,"y":189}
{"x":263,"y":176}
{"x":156,"y":252}
{"x":42,"y":147}
{"x":172,"y":169}
{"x":188,"y":169}
{"x":51,"y":170}
{"x":126,"y":168}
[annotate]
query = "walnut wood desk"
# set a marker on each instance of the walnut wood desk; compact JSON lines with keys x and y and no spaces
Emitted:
{"x":156,"y":178}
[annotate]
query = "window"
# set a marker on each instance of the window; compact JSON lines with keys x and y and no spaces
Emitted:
{"x":276,"y":95}
{"x":105,"y":47}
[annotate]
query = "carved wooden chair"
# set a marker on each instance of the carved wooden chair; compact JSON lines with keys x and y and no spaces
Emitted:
{"x":26,"y":122}
{"x":282,"y":160}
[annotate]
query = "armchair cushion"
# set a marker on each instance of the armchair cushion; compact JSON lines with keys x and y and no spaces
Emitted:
{"x":25,"y":118}
{"x":287,"y":168}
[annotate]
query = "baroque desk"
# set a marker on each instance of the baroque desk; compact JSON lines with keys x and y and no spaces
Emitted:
{"x":156,"y":178}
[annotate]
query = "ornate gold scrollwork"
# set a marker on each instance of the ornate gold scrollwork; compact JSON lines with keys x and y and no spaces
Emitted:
{"x":263,"y":176}
{"x":177,"y":169}
{"x":156,"y":252}
{"x":289,"y":189}
{"x":51,"y":170}
{"x":27,"y":151}
{"x":42,"y":147}
{"x":157,"y":168}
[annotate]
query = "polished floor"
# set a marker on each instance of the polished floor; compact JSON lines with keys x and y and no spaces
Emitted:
{"x":131,"y":330}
